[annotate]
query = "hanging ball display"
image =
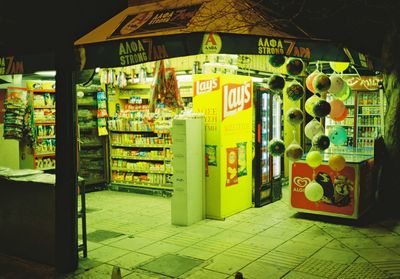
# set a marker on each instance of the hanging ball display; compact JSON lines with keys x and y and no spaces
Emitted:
{"x":276,"y":83}
{"x":313,"y":128}
{"x":294,"y":152}
{"x":337,"y":162}
{"x":338,"y":135}
{"x":295,"y":91}
{"x":339,"y":67}
{"x":314,"y":159}
{"x":321,"y":142}
{"x":294,"y":67}
{"x":321,"y":83}
{"x":314,"y":191}
{"x":276,"y":60}
{"x":337,"y":84}
{"x":294,"y":116}
{"x":337,"y":108}
{"x":321,"y":108}
{"x":345,"y":94}
{"x":276,"y":147}
{"x":342,"y":116}
{"x":309,"y":105}
{"x":310,"y":79}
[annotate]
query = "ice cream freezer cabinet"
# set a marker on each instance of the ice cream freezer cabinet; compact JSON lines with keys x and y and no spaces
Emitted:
{"x":346,"y":194}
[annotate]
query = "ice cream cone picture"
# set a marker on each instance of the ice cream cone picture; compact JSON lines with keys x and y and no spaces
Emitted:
{"x":231,"y":166}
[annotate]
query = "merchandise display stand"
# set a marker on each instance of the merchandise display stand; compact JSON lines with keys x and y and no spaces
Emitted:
{"x":347,"y":194}
{"x":82,"y":214}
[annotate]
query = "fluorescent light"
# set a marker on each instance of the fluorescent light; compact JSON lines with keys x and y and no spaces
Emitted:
{"x":257,"y":79}
{"x":46,"y":73}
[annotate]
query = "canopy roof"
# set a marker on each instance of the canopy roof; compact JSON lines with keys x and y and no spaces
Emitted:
{"x":169,"y":29}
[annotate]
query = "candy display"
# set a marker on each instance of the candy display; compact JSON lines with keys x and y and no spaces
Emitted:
{"x":15,"y":108}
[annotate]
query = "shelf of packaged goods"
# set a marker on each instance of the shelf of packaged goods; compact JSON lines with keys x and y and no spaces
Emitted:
{"x":336,"y":124}
{"x":143,"y":184}
{"x":371,"y":114}
{"x":93,"y":168}
{"x":43,"y":90}
{"x":134,"y":131}
{"x":140,"y":171}
{"x":366,"y":125}
{"x":45,"y":154}
{"x":143,"y":145}
{"x":365,"y":137}
{"x":139,"y":158}
{"x":44,"y":107}
{"x":45,"y":123}
{"x":137,"y":86}
{"x":89,"y":181}
{"x":46,"y":137}
{"x":360,"y":105}
{"x":84,"y":129}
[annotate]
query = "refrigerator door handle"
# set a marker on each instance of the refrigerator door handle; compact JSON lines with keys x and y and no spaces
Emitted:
{"x":259,"y":132}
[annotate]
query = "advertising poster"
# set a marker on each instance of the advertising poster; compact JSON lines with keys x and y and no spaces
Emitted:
{"x":226,"y":101}
{"x":339,"y":189}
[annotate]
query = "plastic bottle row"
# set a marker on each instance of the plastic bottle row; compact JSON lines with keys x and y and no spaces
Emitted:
{"x":365,"y":143}
{"x":138,"y":139}
{"x":42,"y":163}
{"x":46,"y":146}
{"x":368,"y":99}
{"x":368,"y":132}
{"x":369,"y":120}
{"x":124,"y":124}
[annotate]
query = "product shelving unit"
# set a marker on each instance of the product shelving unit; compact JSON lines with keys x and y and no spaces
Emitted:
{"x":93,"y":163}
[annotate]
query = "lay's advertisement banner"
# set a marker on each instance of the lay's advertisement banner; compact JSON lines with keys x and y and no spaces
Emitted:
{"x":227,"y":103}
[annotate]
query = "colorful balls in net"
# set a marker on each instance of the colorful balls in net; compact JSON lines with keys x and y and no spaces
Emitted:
{"x":276,"y":83}
{"x":310,"y":79}
{"x":337,"y":108}
{"x":338,"y":135}
{"x":321,"y":142}
{"x":337,"y":84}
{"x":313,"y":128}
{"x":294,"y":152}
{"x":321,"y":83}
{"x":295,"y":91}
{"x":342,"y":116}
{"x":321,"y":108}
{"x":314,"y":191}
{"x":339,"y":67}
{"x":309,"y":105}
{"x":337,"y":162}
{"x":294,"y":116}
{"x":276,"y":60}
{"x":314,"y":159}
{"x":294,"y":66}
{"x":345,"y":94}
{"x":276,"y":147}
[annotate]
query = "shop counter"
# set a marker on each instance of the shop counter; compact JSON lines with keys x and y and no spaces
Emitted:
{"x":27,"y":216}
{"x":347,"y":194}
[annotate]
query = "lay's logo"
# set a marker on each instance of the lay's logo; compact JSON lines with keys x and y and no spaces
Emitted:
{"x":206,"y":86}
{"x":235,"y":98}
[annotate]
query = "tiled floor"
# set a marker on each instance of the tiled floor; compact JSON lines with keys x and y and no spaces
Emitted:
{"x":134,"y":232}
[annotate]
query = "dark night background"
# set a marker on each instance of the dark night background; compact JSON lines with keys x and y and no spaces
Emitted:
{"x":30,"y":26}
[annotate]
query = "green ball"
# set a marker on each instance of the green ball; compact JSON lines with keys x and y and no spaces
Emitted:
{"x":276,"y":147}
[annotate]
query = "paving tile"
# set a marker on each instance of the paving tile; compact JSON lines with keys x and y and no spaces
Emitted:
{"x":143,"y":274}
{"x":158,"y":248}
{"x":378,"y":254}
{"x":363,"y":271}
{"x":246,"y":251}
{"x":282,"y":259}
{"x":132,"y":243}
{"x":102,"y":235}
{"x":388,"y":241}
{"x":359,"y":242}
{"x":343,"y":232}
{"x":322,"y":268}
{"x":300,"y":275}
{"x":230,"y":236}
{"x":313,"y":235}
{"x":262,"y":270}
{"x":334,"y":255}
{"x":280,"y":232}
{"x":201,"y":273}
{"x":267,"y":243}
{"x":253,"y":229}
{"x":103,"y":271}
{"x":336,"y":244}
{"x":198,"y":253}
{"x":93,"y":245}
{"x":203,"y":230}
{"x":107,"y":253}
{"x":183,"y":239}
{"x":392,"y":268}
{"x":223,"y":224}
{"x":298,"y":248}
{"x":226,"y":264}
{"x":130,"y":261}
{"x":171,"y":265}
{"x":374,"y":231}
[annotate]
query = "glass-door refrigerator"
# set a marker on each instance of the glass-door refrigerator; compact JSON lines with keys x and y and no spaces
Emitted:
{"x":267,"y":169}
